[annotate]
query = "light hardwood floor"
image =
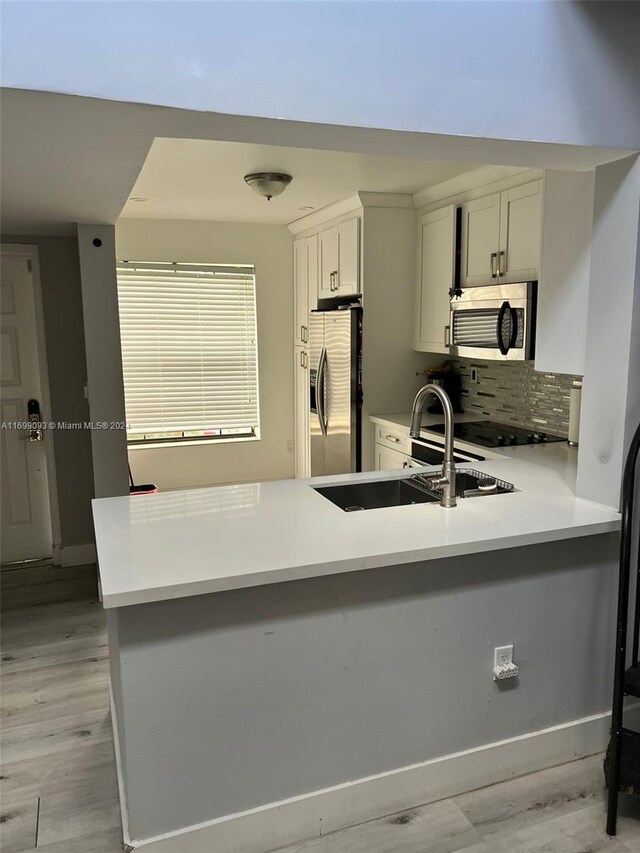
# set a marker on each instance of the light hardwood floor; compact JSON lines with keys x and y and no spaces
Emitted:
{"x":58,"y":784}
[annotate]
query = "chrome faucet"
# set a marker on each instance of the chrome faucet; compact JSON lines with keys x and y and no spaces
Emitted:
{"x":447,"y":482}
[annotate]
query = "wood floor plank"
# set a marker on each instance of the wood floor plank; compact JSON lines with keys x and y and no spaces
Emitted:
{"x":76,"y":812}
{"x":438,"y":828}
{"x":97,"y":842}
{"x":513,"y":805}
{"x":58,"y":734}
{"x":56,"y":691}
{"x":18,"y":822}
{"x":90,"y":766}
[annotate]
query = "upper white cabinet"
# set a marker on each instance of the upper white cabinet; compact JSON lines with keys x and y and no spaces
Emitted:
{"x":501,"y":236}
{"x":480,"y":240}
{"x":436,"y":248}
{"x":305,"y":292}
{"x":340,"y":260}
{"x":520,"y":224}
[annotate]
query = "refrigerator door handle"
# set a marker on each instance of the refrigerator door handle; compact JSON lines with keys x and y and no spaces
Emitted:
{"x":320,"y":384}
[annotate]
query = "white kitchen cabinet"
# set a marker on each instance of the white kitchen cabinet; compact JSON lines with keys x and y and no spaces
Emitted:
{"x":305,"y":292}
{"x":520,"y":225}
{"x":329,"y":252}
{"x":340,"y":260}
{"x":302,"y":465}
{"x":436,"y":246}
{"x":480,"y":240}
{"x":501,"y":236}
{"x":348,"y":283}
{"x":300,"y":292}
{"x":388,"y":459}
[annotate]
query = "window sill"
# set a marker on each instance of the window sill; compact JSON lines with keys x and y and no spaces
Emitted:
{"x":210,"y":442}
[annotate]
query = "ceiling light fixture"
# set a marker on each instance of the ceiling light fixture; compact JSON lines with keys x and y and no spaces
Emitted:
{"x":268,"y":184}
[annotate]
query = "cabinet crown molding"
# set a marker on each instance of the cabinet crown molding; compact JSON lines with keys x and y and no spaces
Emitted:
{"x":352,"y":204}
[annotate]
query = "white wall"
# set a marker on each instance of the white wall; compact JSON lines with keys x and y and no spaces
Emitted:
{"x":611,"y":393}
{"x":269,"y":248}
{"x":564,"y":72}
{"x":96,"y":249}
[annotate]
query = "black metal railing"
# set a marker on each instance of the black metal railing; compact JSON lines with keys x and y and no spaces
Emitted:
{"x":623,"y":758}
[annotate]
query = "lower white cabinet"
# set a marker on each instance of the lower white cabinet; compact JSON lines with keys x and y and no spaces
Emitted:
{"x":302,"y":467}
{"x":388,"y":459}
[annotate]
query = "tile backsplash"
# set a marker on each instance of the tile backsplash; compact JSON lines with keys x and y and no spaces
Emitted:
{"x":514,"y":393}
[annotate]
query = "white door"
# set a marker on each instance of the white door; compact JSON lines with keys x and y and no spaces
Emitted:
{"x":328,"y":263}
{"x":301,"y":409}
{"x":480,"y":241}
{"x":520,"y":221}
{"x":348,"y":281}
{"x":300,"y":291}
{"x":26,"y":519}
{"x":436,"y":271}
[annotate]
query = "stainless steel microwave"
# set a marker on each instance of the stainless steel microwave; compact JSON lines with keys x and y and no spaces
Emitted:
{"x":494,"y":322}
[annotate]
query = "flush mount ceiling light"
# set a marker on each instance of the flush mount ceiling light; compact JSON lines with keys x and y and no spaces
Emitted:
{"x":268,"y":184}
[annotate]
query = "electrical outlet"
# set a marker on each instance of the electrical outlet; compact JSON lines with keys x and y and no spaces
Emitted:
{"x":503,"y":665}
{"x":291,"y":446}
{"x":474,"y":375}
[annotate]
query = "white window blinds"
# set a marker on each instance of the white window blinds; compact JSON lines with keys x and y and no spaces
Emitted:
{"x":189,"y":350}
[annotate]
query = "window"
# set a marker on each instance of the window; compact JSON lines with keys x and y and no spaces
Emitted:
{"x":189,"y":351}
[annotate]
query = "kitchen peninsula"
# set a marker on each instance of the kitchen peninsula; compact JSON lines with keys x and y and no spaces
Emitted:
{"x":281,"y":668}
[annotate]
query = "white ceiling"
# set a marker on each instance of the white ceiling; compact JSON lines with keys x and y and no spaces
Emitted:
{"x":199,"y":179}
{"x":68,"y":159}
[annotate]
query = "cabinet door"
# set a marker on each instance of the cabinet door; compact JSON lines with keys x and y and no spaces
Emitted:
{"x":301,"y":411}
{"x":313,"y":271}
{"x":329,"y":262}
{"x":348,"y":279}
{"x":300,"y":291}
{"x":480,"y":240}
{"x":436,"y":271}
{"x":520,"y":225}
{"x":388,"y":459}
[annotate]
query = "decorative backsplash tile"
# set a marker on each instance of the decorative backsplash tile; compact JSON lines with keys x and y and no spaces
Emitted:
{"x":514,"y":393}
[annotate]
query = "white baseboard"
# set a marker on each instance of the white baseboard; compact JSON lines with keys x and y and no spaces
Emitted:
{"x":320,"y":812}
{"x":77,"y":555}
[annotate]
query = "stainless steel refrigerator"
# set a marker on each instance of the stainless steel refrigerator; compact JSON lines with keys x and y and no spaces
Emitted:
{"x":335,"y":391}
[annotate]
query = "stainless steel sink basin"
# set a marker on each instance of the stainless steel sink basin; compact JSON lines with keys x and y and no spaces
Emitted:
{"x":352,"y":497}
{"x":417,"y":489}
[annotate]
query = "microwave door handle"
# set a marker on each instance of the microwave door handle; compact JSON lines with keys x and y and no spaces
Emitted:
{"x":514,"y":328}
{"x":320,"y":379}
{"x":502,"y":346}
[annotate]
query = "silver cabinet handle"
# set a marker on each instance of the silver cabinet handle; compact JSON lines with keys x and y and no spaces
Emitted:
{"x":333,"y":278}
{"x":393,"y":438}
{"x":331,"y":281}
{"x":305,"y":336}
{"x":303,"y":359}
{"x":501,"y":257}
{"x":494,"y":265}
{"x":447,"y":336}
{"x":337,"y":279}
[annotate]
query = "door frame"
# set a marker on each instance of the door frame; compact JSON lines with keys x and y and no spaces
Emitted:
{"x":30,"y":251}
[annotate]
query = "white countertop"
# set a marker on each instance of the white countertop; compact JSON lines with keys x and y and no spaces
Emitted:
{"x":196,"y":541}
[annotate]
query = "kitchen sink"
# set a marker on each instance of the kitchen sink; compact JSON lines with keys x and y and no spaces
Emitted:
{"x":376,"y":494}
{"x":417,"y":489}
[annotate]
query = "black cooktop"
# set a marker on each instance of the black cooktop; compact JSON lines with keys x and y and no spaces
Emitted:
{"x":490,"y":434}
